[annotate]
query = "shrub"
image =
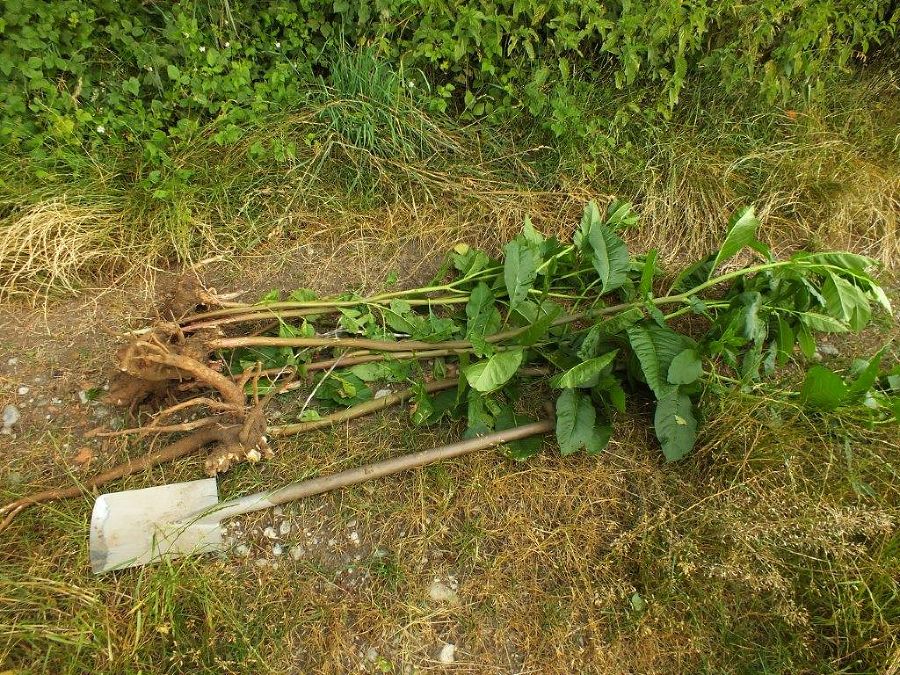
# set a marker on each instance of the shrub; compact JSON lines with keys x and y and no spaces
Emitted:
{"x":107,"y":73}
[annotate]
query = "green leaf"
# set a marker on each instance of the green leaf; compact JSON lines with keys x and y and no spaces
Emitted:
{"x":270,"y":297}
{"x":674,"y":422}
{"x":620,"y":215}
{"x":494,"y":372}
{"x":806,"y":341}
{"x":823,"y":323}
{"x":823,"y":388}
{"x":584,"y":373}
{"x":867,"y":376}
{"x":606,"y":328}
{"x":610,"y":257}
{"x":846,"y":302}
{"x":655,"y":348}
{"x":531,"y":235}
{"x":575,"y":424}
{"x":541,"y":324}
{"x":483,"y":318}
{"x":589,"y":219}
{"x":785,"y":340}
{"x":519,"y":270}
{"x":521,"y":449}
{"x":685,"y":368}
{"x":741,"y":233}
{"x":693,"y":275}
{"x":647,"y":273}
{"x":848,"y":261}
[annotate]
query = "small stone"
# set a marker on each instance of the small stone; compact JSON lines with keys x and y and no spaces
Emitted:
{"x":447,"y":654}
{"x":332,"y":542}
{"x":371,"y":654}
{"x":262,"y":562}
{"x":10,"y":415}
{"x":352,"y":523}
{"x":440,"y":592}
{"x":278,"y":549}
{"x":297,"y":552}
{"x":278,"y":510}
{"x":285,"y":528}
{"x":826,"y":349}
{"x":56,"y":401}
{"x":13,"y":362}
{"x":354,"y":537}
{"x":23,"y":391}
{"x":270,"y":533}
{"x":83,"y":397}
{"x":242,"y":550}
{"x":381,"y":393}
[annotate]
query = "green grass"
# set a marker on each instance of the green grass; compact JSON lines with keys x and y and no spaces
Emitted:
{"x":825,"y":175}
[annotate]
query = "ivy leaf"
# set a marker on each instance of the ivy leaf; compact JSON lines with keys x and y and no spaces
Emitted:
{"x":610,"y":257}
{"x":494,"y":372}
{"x":846,"y":302}
{"x":741,"y":233}
{"x":685,"y":368}
{"x":519,"y":270}
{"x":823,"y":388}
{"x":575,"y":424}
{"x":584,"y":373}
{"x":674,"y":422}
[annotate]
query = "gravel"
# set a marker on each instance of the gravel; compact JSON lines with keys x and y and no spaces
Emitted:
{"x":270,"y":533}
{"x":440,"y":592}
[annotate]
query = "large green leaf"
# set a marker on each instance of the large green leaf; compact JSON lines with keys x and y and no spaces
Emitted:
{"x":823,"y":323}
{"x":541,"y":321}
{"x":655,"y":348}
{"x":867,"y":376}
{"x":519,"y":270}
{"x":523,"y":448}
{"x":674,"y":422}
{"x":483,"y":318}
{"x":741,"y":233}
{"x":610,"y":257}
{"x":685,"y":368}
{"x":494,"y":372}
{"x":785,"y":340}
{"x":584,"y":373}
{"x":576,"y":426}
{"x":846,"y":302}
{"x":823,"y":388}
{"x":607,"y":327}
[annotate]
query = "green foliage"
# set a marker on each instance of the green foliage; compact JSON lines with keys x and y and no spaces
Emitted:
{"x":101,"y":73}
{"x":604,"y":336}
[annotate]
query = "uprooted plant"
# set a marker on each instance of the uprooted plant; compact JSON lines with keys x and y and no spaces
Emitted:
{"x":582,"y":317}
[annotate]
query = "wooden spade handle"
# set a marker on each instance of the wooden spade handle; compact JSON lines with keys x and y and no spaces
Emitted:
{"x":315,"y":486}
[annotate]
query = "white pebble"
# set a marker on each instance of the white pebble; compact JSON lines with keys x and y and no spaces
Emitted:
{"x":56,"y":401}
{"x":278,"y":549}
{"x":277,"y":510}
{"x":332,"y":542}
{"x":242,"y":550}
{"x":10,"y":415}
{"x":83,"y":397}
{"x":270,"y":533}
{"x":352,"y":523}
{"x":285,"y":528}
{"x":440,"y":592}
{"x":354,"y":537}
{"x":381,"y":393}
{"x":23,"y":391}
{"x":262,"y":562}
{"x":448,"y":654}
{"x":13,"y":362}
{"x":297,"y":552}
{"x":371,"y":654}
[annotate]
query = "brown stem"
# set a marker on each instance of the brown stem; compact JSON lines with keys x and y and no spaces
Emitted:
{"x":166,"y":428}
{"x":229,"y":390}
{"x":360,"y":410}
{"x":180,"y":448}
